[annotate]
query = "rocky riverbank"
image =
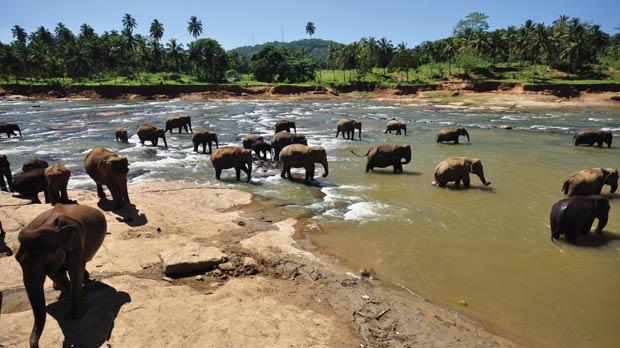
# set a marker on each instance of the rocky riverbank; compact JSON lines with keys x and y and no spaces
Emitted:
{"x":262,"y":288}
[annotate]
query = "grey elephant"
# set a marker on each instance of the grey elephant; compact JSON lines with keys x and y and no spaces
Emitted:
{"x":590,"y":181}
{"x":232,"y":157}
{"x":282,"y":139}
{"x":35,"y":163}
{"x":591,"y":136}
{"x":121,"y":135}
{"x":148,"y":132}
{"x":9,"y":129}
{"x":457,"y":169}
{"x":575,"y":215}
{"x":451,"y":135}
{"x":396,"y":125}
{"x":182,"y":122}
{"x":284,"y":125}
{"x":57,"y":177}
{"x":204,"y":137}
{"x":348,"y":126}
{"x":303,"y":156}
{"x":258,"y":144}
{"x":386,"y":155}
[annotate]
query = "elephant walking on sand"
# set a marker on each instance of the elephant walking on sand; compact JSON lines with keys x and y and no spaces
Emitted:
{"x":232,"y":157}
{"x":32,"y":180}
{"x":591,"y":136}
{"x":182,"y":122}
{"x":57,"y":177}
{"x":589,"y":182}
{"x":285,"y":126}
{"x":121,"y":135}
{"x":348,"y":126}
{"x":396,"y":125}
{"x":58,"y":242}
{"x":386,"y":155}
{"x":204,"y":137}
{"x":5,"y":172}
{"x":9,"y":129}
{"x":303,"y":156}
{"x":575,"y":215}
{"x":107,"y":168}
{"x":457,"y":169}
{"x":148,"y":132}
{"x":451,"y":135}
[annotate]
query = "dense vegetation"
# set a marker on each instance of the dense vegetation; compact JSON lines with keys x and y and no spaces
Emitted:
{"x":567,"y":49}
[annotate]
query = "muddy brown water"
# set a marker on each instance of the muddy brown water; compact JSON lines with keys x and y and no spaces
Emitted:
{"x":488,"y":247}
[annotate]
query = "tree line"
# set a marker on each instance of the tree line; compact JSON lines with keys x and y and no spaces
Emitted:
{"x":568,"y":44}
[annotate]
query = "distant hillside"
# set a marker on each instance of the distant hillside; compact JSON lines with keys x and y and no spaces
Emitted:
{"x":316,"y":48}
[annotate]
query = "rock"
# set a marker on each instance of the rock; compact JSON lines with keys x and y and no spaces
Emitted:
{"x":199,"y":278}
{"x":505,"y":126}
{"x":217,"y":273}
{"x":167,"y":279}
{"x":241,"y":223}
{"x":191,"y":259}
{"x":226,"y":266}
{"x":352,"y":275}
{"x":462,"y":302}
{"x":366,"y":297}
{"x":249,"y":262}
{"x":364,"y":273}
{"x":616,"y":98}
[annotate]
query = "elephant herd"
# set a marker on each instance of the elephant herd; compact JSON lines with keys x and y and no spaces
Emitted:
{"x":60,"y":241}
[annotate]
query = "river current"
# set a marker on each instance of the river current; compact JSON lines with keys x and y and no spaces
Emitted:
{"x":488,"y":247}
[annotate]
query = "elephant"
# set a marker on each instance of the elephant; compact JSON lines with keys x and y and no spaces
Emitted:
{"x":575,"y":215}
{"x":5,"y":172}
{"x":396,"y":125}
{"x":107,"y":168}
{"x":57,"y":177}
{"x":182,"y":122}
{"x":303,"y":156}
{"x":35,"y":163}
{"x":284,"y":125}
{"x":589,"y":182}
{"x":282,"y":139}
{"x":250,"y":139}
{"x":9,"y":129}
{"x":58,"y":242}
{"x":204,"y":137}
{"x":152,"y":134}
{"x":258,"y":144}
{"x":457,"y":169}
{"x":28,"y":184}
{"x":451,"y":135}
{"x":121,"y":135}
{"x":349,"y":126}
{"x":590,"y":136}
{"x":386,"y":155}
{"x":232,"y":157}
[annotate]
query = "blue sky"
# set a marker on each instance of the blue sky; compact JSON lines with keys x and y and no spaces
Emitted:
{"x":234,"y":22}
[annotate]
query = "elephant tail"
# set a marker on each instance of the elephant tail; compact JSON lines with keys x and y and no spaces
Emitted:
{"x":360,"y":155}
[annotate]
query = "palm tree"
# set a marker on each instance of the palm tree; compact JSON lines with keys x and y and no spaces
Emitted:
{"x":19,"y":34}
{"x":86,"y":31}
{"x":539,"y":47}
{"x":310,"y":29}
{"x":449,"y":49}
{"x":157,"y":30}
{"x":174,"y":52}
{"x":194,"y":26}
{"x":129,"y":23}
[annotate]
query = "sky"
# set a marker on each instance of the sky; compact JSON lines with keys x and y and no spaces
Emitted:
{"x":243,"y":22}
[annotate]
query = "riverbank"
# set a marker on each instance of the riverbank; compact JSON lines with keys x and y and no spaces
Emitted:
{"x":272,"y":292}
{"x":447,"y":95}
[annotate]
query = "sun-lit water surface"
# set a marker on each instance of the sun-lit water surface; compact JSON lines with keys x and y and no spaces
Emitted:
{"x":488,"y":247}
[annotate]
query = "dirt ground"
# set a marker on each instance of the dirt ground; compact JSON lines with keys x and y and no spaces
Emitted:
{"x":275,"y":294}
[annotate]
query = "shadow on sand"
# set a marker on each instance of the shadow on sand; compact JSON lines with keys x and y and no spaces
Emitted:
{"x":129,"y":215}
{"x":94,"y":328}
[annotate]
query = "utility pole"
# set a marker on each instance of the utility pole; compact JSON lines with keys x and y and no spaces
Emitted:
{"x":282,"y":34}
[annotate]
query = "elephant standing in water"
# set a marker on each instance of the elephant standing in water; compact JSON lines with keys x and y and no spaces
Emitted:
{"x":589,"y":182}
{"x":258,"y":144}
{"x":57,"y":177}
{"x":451,"y":135}
{"x":9,"y":129}
{"x":303,"y":156}
{"x":121,"y":135}
{"x":284,"y":125}
{"x":348,"y":126}
{"x":5,"y":172}
{"x":282,"y":139}
{"x":232,"y":157}
{"x":152,"y":134}
{"x":204,"y":138}
{"x":457,"y":169}
{"x":575,"y":215}
{"x":386,"y":155}
{"x":182,"y":122}
{"x":59,"y":241}
{"x":107,"y":168}
{"x":590,"y":136}
{"x":396,"y":125}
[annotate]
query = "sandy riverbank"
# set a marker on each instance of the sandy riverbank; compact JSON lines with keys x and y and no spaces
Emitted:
{"x":288,"y":298}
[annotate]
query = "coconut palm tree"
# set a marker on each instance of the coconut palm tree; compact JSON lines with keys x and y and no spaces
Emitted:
{"x":19,"y":34}
{"x":174,"y":53}
{"x":129,"y":23}
{"x":449,"y":50}
{"x":194,"y":26}
{"x":86,"y":31}
{"x":157,"y":30}
{"x":310,"y":29}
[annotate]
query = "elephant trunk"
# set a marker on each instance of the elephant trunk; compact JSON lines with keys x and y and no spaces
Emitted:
{"x":325,"y":165}
{"x":249,"y":164}
{"x":294,"y":127}
{"x":164,"y":139}
{"x":614,"y":186}
{"x":602,"y":221}
{"x":33,"y":282}
{"x":466,"y":134}
{"x":407,"y":157}
{"x":9,"y":178}
{"x":484,"y":181}
{"x":20,"y":134}
{"x":405,"y":128}
{"x":217,"y":146}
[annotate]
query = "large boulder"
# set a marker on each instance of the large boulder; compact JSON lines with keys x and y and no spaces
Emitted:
{"x":191,"y":259}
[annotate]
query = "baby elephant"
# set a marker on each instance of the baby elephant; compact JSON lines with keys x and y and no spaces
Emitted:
{"x":258,"y":144}
{"x":591,"y":136}
{"x":575,"y":215}
{"x":590,"y":181}
{"x":303,"y":156}
{"x":29,"y":184}
{"x":348,"y":126}
{"x":59,"y":241}
{"x":204,"y":137}
{"x":386,"y":155}
{"x":457,"y":169}
{"x":396,"y":125}
{"x":152,"y":134}
{"x":451,"y":135}
{"x":5,"y":172}
{"x":285,"y":126}
{"x":232,"y":157}
{"x":35,"y":163}
{"x":9,"y":129}
{"x":121,"y":135}
{"x":57,"y":176}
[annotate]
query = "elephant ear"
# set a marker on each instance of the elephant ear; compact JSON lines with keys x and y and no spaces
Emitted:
{"x":69,"y":237}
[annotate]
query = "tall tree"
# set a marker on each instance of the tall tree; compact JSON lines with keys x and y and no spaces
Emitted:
{"x":194,"y":26}
{"x":310,"y":29}
{"x":157,"y":30}
{"x":19,"y":34}
{"x":129,"y":23}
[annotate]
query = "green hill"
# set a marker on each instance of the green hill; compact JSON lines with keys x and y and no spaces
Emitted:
{"x":315,"y":48}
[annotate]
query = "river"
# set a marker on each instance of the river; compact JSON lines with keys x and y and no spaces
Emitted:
{"x":488,"y":246}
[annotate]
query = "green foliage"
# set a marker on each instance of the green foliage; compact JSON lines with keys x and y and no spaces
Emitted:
{"x":273,"y":64}
{"x":473,"y":22}
{"x":317,"y":49}
{"x":208,"y":59}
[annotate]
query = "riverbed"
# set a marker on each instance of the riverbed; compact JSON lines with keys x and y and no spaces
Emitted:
{"x":487,"y":247}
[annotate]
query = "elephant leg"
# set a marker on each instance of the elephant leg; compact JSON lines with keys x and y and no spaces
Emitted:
{"x":100,"y":192}
{"x":180,"y":129}
{"x":283,"y":173}
{"x":61,"y":282}
{"x":386,"y":131}
{"x":35,"y":199}
{"x":218,"y":173}
{"x":210,"y":148}
{"x":369,"y":167}
{"x":465,"y":179}
{"x":64,"y":195}
{"x":337,"y":132}
{"x":238,"y":172}
{"x":195,"y":147}
{"x":2,"y":183}
{"x":309,"y":172}
{"x":76,"y":274}
{"x":456,"y":141}
{"x":46,"y":195}
{"x":457,"y":182}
